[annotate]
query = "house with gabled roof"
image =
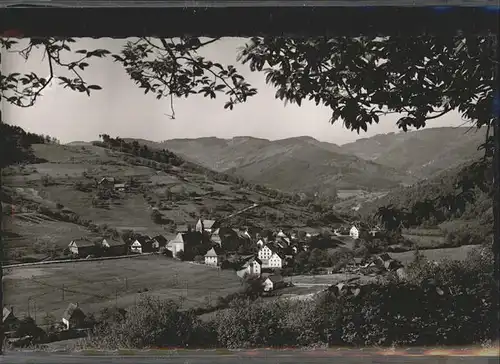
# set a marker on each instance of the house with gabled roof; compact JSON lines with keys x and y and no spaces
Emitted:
{"x":206,"y":225}
{"x":265,"y":253}
{"x":177,"y":244}
{"x":106,"y":182}
{"x":73,"y":316}
{"x":354,"y":232}
{"x":214,"y":256}
{"x":251,"y":267}
{"x":273,"y":282}
{"x":82,"y":247}
{"x":136,"y":247}
{"x":114,"y":247}
{"x":276,"y":260}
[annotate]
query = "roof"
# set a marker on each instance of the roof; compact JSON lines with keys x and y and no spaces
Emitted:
{"x":214,"y":252}
{"x":179,"y":238}
{"x":83,"y":242}
{"x":250,"y":260}
{"x":385,"y":257}
{"x":207,"y":224}
{"x":112,"y":242}
{"x":6,"y":313}
{"x":275,"y":278}
{"x":107,"y":179}
{"x":278,"y":254}
{"x":160,"y":239}
{"x":70,"y":311}
{"x":118,"y":185}
{"x":182,"y":228}
{"x":216,"y":232}
{"x":142,"y":239}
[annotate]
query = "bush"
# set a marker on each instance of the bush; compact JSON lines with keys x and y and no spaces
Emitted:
{"x":150,"y":323}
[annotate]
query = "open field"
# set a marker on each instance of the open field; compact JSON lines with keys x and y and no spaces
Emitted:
{"x":459,"y":253}
{"x":426,"y":241}
{"x":95,"y":285}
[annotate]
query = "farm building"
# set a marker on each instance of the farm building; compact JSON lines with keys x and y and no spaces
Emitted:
{"x":214,"y":256}
{"x":82,"y":247}
{"x":106,"y":182}
{"x":354,"y":232}
{"x":136,"y":247}
{"x":273,"y":282}
{"x":114,"y":247}
{"x":206,"y":225}
{"x":252,"y":266}
{"x":176,"y":245}
{"x":73,"y":317}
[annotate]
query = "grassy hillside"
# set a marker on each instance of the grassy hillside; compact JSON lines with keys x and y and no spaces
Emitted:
{"x":63,"y":192}
{"x":420,"y":153}
{"x":294,"y":164}
{"x":100,"y":284}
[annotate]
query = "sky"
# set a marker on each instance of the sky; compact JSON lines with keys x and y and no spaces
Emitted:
{"x":122,"y":109}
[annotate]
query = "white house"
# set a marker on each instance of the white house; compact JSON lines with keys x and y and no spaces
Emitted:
{"x":176,"y":245}
{"x":354,"y":232}
{"x":136,"y":247}
{"x":276,"y":261}
{"x":273,"y":282}
{"x":265,"y":253}
{"x":252,"y":266}
{"x":214,"y":256}
{"x":281,"y":234}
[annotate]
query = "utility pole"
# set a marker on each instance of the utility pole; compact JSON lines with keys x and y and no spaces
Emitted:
{"x":63,"y":292}
{"x":29,"y":304}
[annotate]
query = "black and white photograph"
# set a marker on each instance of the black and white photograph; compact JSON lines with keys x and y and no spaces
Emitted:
{"x":258,"y":192}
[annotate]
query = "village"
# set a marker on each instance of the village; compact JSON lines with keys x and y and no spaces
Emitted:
{"x":251,"y":255}
{"x":270,"y":257}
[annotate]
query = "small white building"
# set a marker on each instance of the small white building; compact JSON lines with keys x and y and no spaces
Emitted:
{"x":354,"y":232}
{"x":176,"y":245}
{"x":260,"y":243}
{"x":214,"y":257}
{"x":252,"y":266}
{"x":136,"y":247}
{"x":273,"y":282}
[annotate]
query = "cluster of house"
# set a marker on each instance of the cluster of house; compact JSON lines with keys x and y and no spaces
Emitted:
{"x":72,"y":318}
{"x":110,"y":183}
{"x":85,"y":247}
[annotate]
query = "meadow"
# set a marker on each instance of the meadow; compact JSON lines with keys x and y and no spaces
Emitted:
{"x":99,"y":284}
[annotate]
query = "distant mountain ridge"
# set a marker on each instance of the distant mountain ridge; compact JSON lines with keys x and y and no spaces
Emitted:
{"x":421,"y":153}
{"x":380,"y":162}
{"x":293,"y":164}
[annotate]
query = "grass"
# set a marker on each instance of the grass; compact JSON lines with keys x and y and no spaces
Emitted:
{"x":426,"y":241}
{"x":459,"y":253}
{"x":100,"y":284}
{"x":37,"y":233}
